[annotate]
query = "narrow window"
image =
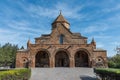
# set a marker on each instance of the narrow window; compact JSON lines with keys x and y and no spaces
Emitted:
{"x":61,"y":39}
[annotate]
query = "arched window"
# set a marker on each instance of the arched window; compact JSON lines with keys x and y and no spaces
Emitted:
{"x":61,"y":38}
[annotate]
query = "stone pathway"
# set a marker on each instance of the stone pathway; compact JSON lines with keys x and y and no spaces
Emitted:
{"x":62,"y":74}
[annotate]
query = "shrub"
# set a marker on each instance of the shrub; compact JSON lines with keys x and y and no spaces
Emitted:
{"x":108,"y":73}
{"x":114,"y":62}
{"x":15,"y":74}
{"x":111,"y":64}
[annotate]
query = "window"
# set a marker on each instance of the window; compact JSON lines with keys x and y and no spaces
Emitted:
{"x":99,"y":59}
{"x":61,"y":39}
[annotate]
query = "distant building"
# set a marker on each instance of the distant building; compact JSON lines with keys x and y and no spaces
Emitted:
{"x":61,"y":48}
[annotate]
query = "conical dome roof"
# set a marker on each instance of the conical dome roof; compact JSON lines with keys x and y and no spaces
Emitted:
{"x":60,"y":18}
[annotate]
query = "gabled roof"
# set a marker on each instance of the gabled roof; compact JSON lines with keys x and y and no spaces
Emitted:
{"x":43,"y":36}
{"x":60,"y":18}
{"x":78,"y":35}
{"x":99,"y":49}
{"x":22,"y":50}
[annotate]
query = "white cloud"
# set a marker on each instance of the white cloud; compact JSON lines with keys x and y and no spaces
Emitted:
{"x":52,"y":12}
{"x":18,"y":32}
{"x":100,"y":45}
{"x":25,"y":27}
{"x":96,"y":28}
{"x":102,"y":36}
{"x":5,"y":31}
{"x":116,"y":43}
{"x":9,"y":37}
{"x":114,"y":19}
{"x":112,"y":8}
{"x":15,"y":37}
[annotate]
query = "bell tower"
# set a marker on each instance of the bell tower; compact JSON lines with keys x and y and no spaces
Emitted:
{"x":60,"y":20}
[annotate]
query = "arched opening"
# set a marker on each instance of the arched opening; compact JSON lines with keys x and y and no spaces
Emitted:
{"x":81,"y":59}
{"x":62,"y":59}
{"x":42,"y":59}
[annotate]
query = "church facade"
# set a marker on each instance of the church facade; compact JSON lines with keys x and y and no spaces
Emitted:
{"x":61,"y":48}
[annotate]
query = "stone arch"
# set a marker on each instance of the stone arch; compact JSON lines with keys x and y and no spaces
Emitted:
{"x":42,"y":49}
{"x":62,"y":58}
{"x":85,"y":50}
{"x":62,"y":49}
{"x":82,"y":58}
{"x":42,"y":58}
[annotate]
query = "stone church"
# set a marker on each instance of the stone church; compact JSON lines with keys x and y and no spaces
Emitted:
{"x":61,"y":48}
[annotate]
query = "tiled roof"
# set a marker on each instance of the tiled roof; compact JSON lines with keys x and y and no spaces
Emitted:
{"x":60,"y":18}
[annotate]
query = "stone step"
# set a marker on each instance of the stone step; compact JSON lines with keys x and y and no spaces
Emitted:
{"x":62,"y":74}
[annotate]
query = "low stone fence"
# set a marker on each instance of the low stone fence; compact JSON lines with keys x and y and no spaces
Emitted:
{"x":107,"y":73}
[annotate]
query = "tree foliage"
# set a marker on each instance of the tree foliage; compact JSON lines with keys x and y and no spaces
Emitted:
{"x":114,"y":62}
{"x":22,"y":47}
{"x":8,"y":54}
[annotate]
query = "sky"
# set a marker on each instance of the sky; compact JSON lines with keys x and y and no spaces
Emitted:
{"x":21,"y":20}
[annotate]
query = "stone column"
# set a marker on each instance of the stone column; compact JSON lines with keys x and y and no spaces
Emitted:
{"x":72,"y":62}
{"x":32,"y":55}
{"x":52,"y":62}
{"x":33,"y":62}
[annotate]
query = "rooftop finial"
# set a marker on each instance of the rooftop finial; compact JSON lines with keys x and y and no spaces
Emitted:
{"x":93,"y":39}
{"x":60,"y":12}
{"x":29,"y":40}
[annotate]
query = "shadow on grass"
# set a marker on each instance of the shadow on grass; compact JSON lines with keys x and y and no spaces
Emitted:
{"x":87,"y":78}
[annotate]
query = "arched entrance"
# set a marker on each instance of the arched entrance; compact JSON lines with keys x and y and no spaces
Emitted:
{"x":62,"y":59}
{"x":42,"y":59}
{"x":81,"y":59}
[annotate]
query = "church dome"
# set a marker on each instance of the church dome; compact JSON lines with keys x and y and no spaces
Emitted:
{"x":61,"y":19}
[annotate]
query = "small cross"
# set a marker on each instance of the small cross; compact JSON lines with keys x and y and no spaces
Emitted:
{"x":60,"y":11}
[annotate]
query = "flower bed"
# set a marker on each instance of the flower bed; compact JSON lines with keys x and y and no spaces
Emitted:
{"x":108,"y":73}
{"x":15,"y":74}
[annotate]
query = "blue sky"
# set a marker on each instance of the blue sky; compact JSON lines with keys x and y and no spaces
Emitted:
{"x":24,"y":19}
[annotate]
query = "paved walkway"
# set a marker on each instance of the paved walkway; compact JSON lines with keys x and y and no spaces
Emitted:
{"x":62,"y":74}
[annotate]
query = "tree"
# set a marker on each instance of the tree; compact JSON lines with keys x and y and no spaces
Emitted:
{"x":8,"y":54}
{"x":114,"y":62}
{"x":22,"y":47}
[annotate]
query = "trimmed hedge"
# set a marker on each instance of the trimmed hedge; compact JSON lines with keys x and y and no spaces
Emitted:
{"x":15,"y":74}
{"x":108,"y":73}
